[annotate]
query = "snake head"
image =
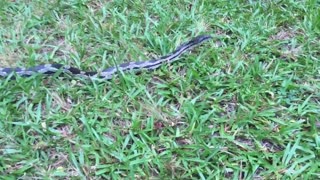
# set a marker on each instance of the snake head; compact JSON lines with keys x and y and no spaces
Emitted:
{"x":201,"y":38}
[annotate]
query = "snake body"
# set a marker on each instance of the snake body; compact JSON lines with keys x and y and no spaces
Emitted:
{"x":108,"y":73}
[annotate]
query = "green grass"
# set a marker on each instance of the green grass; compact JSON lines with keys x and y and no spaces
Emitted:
{"x":244,"y":105}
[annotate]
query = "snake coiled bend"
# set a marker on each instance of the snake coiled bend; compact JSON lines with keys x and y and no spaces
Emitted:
{"x":108,"y":73}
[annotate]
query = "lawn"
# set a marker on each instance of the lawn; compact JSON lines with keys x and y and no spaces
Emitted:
{"x":244,"y":105}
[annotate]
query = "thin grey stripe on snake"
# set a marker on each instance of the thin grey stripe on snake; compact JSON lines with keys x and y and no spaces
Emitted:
{"x":107,"y":73}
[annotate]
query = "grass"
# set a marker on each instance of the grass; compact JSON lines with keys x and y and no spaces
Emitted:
{"x":242,"y":106}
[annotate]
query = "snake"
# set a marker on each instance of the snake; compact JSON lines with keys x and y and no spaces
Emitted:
{"x":51,"y":69}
